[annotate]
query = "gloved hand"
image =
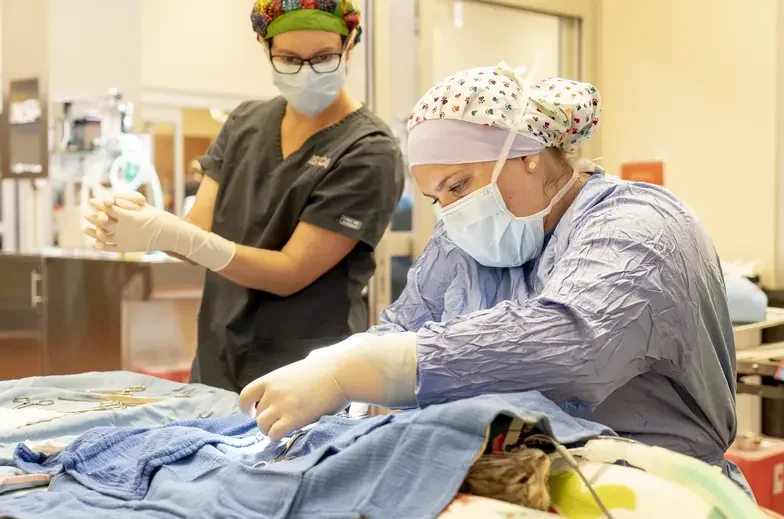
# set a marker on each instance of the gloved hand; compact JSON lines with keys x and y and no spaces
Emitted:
{"x":126,"y":223}
{"x":378,"y":370}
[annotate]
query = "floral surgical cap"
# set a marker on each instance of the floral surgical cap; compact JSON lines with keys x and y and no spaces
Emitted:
{"x":273,"y":17}
{"x":559,"y":113}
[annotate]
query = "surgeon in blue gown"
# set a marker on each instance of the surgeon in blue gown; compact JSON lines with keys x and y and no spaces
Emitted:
{"x":543,"y":274}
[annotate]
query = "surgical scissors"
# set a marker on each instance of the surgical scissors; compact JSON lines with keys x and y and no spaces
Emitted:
{"x":23,"y":401}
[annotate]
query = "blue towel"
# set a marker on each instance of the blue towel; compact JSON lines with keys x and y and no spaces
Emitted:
{"x":204,"y":402}
{"x":119,"y":462}
{"x":407,"y":465}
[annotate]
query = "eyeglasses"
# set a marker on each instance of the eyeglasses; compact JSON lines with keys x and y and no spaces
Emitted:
{"x":321,"y":64}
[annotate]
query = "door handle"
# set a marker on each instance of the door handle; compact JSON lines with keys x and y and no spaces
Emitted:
{"x":35,"y":283}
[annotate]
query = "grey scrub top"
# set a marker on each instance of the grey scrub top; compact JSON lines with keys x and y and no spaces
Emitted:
{"x":347,"y":178}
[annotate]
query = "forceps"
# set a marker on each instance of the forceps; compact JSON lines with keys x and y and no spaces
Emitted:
{"x":183,"y":392}
{"x":103,"y":406}
{"x":128,"y":400}
{"x":23,"y":401}
{"x":282,"y":456}
{"x":128,"y":391}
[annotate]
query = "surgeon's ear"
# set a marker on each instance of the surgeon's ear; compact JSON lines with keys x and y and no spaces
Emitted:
{"x":531,"y":162}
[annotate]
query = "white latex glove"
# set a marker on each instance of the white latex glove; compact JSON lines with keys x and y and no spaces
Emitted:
{"x":378,"y":370}
{"x":126,"y":223}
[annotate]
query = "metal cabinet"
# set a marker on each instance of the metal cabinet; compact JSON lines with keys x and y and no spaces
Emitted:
{"x":82,"y":308}
{"x":64,"y":315}
{"x":22,"y":315}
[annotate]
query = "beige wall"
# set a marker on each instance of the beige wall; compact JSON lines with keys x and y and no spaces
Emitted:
{"x":694,"y":83}
{"x":94,"y":46}
{"x":71,"y":47}
{"x":27,"y":26}
{"x":491,"y":34}
{"x":180,"y":51}
{"x":199,"y":123}
{"x":196,"y":122}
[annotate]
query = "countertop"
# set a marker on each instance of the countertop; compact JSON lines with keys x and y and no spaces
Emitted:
{"x":96,"y":255}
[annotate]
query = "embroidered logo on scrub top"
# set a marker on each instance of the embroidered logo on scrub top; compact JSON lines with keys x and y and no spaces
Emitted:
{"x":319,"y":161}
{"x":351,"y":223}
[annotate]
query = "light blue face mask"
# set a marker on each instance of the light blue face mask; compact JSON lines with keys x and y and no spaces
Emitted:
{"x":309,"y":92}
{"x":483,"y":226}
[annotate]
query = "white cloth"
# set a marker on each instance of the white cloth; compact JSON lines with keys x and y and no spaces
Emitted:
{"x":13,"y":419}
{"x":47,"y":447}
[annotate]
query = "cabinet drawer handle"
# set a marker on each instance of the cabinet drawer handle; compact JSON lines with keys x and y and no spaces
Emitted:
{"x":35,"y":297}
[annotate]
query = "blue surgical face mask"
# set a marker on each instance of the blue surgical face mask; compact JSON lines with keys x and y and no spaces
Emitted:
{"x":483,"y":226}
{"x":309,"y":92}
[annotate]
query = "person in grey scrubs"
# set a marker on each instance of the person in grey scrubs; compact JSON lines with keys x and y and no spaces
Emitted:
{"x":296,"y":194}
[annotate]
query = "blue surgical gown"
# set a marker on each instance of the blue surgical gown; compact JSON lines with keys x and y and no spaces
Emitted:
{"x":623,"y":320}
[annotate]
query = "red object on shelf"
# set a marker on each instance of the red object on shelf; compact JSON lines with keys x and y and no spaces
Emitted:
{"x":651,"y":172}
{"x":175,"y":375}
{"x":762,"y":462}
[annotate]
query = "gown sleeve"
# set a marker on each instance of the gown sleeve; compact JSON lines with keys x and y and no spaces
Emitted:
{"x":618,"y":303}
{"x":416,"y":305}
{"x":443,"y":282}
